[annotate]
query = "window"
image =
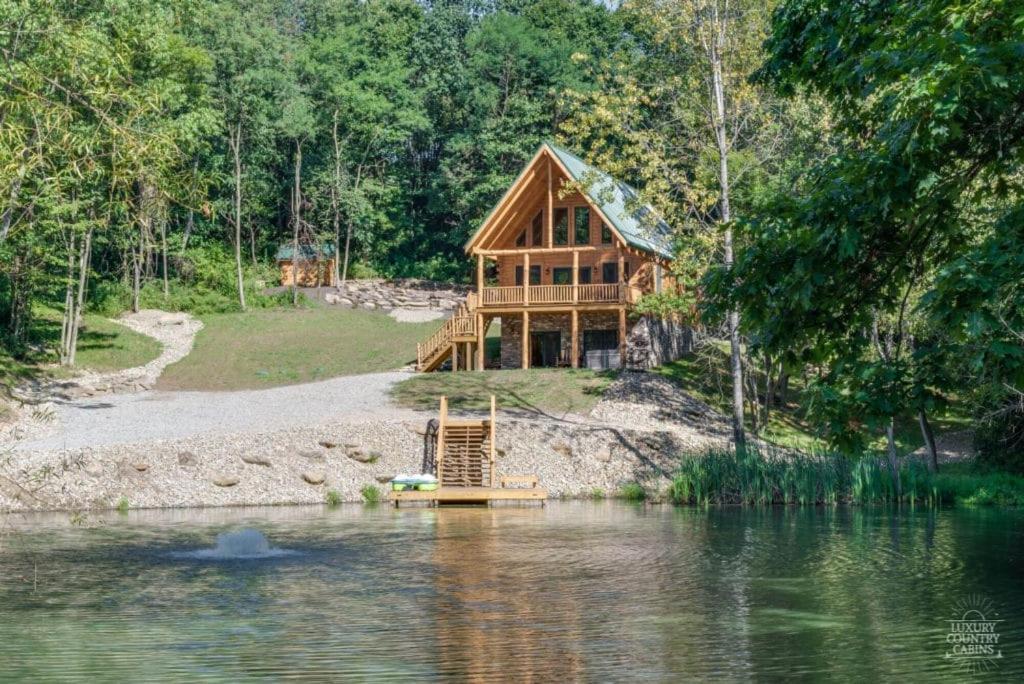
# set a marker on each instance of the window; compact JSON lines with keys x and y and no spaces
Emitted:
{"x":581,"y":221}
{"x":606,"y":234}
{"x":561,"y":275}
{"x":584,"y":275}
{"x":521,"y":240}
{"x":561,"y":226}
{"x":534,"y":275}
{"x":610,"y":272}
{"x":538,"y":229}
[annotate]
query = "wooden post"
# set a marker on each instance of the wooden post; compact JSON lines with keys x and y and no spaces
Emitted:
{"x":480,"y":341}
{"x":467,"y":356}
{"x":490,"y":439}
{"x":480,"y":274}
{"x":439,"y":456}
{"x":550,"y":223}
{"x":455,"y":356}
{"x":574,"y":351}
{"x":526,"y":340}
{"x":622,"y":276}
{"x":526,"y":279}
{"x":622,"y":337}
{"x":575,"y":277}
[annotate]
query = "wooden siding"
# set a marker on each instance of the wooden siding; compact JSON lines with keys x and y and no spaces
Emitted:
{"x":308,"y":273}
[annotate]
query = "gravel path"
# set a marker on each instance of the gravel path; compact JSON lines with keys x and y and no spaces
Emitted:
{"x":152,"y":415}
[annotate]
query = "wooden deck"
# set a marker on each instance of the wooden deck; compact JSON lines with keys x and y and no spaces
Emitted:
{"x":470,"y":495}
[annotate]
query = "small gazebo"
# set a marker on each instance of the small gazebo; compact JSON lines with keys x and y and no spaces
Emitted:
{"x":315,"y":264}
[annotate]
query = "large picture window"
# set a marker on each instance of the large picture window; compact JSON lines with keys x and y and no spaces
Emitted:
{"x":561,"y":226}
{"x":581,"y":221}
{"x":538,"y":229}
{"x":606,"y":234}
{"x":561,"y":275}
{"x":610,"y":272}
{"x":534,"y":275}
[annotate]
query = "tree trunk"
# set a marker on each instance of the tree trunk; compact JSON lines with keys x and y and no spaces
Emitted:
{"x":163,"y":241}
{"x":335,"y":203}
{"x":929,"y":441}
{"x":236,"y":153}
{"x":69,"y":306}
{"x":84,"y":263}
{"x":296,"y":218}
{"x":190,"y":223}
{"x":715,"y":46}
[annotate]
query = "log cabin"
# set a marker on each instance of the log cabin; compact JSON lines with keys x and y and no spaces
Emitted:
{"x":315,"y":264}
{"x":561,"y":260}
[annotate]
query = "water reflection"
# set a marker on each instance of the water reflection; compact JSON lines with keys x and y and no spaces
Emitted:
{"x":571,"y":591}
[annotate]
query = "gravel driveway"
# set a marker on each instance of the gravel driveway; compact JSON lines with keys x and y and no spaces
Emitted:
{"x":153,"y":415}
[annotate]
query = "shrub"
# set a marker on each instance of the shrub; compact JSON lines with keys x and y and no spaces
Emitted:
{"x":371,"y":494}
{"x":123,"y":505}
{"x":597,"y":493}
{"x":632,"y":491}
{"x":333,"y":497}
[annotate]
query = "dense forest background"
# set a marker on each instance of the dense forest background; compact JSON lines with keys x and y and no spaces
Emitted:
{"x":844,"y":179}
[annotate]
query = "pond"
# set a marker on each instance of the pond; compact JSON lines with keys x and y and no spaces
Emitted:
{"x":596,"y":591}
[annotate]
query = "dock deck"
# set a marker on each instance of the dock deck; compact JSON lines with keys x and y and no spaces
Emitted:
{"x":470,"y":495}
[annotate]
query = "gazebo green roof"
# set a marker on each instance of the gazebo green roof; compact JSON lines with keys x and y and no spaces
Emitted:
{"x":306,"y":252}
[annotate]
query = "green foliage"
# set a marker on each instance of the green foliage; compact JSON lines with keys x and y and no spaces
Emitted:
{"x":333,"y":497}
{"x":894,"y":272}
{"x":123,"y":505}
{"x":632,"y":491}
{"x":597,"y":494}
{"x":371,"y":494}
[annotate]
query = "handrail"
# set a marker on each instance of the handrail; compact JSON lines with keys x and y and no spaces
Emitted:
{"x":461,"y":324}
{"x":589,"y":293}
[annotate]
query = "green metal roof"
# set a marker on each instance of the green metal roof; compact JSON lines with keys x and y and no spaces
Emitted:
{"x":306,"y":252}
{"x":639,"y":224}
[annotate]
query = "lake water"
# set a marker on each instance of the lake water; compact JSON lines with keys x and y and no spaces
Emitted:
{"x":595,"y":591}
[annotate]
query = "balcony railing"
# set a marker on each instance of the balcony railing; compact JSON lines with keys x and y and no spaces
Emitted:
{"x":543,"y":295}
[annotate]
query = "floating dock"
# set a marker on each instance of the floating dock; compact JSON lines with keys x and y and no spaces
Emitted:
{"x":469,"y":495}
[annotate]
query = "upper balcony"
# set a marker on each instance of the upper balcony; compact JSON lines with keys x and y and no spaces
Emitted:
{"x":553,"y":295}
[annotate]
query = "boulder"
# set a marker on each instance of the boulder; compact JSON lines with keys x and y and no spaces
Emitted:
{"x":225,"y":480}
{"x":603,"y":455}
{"x":369,"y":306}
{"x":362,"y":455}
{"x":140,"y":466}
{"x":562,"y":448}
{"x":256,"y":459}
{"x":311,"y":453}
{"x":384,"y":479}
{"x":93,"y":469}
{"x":314,"y":477}
{"x":326,"y":444}
{"x":187,"y":458}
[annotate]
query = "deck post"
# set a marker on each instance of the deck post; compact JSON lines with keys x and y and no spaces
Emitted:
{"x":455,"y":356}
{"x":622,"y":337}
{"x":467,"y":356}
{"x":526,"y":279}
{"x":480,"y":275}
{"x":526,"y":340}
{"x":480,"y":340}
{"x":574,"y":334}
{"x":622,"y":276}
{"x":575,"y":276}
{"x":439,"y":457}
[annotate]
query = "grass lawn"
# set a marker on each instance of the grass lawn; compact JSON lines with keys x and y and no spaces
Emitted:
{"x":285,"y":346}
{"x":554,"y":391}
{"x":706,"y":376}
{"x":102,"y":346}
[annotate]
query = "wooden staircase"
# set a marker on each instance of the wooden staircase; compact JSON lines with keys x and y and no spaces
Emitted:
{"x":461,"y":327}
{"x":465,"y":450}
